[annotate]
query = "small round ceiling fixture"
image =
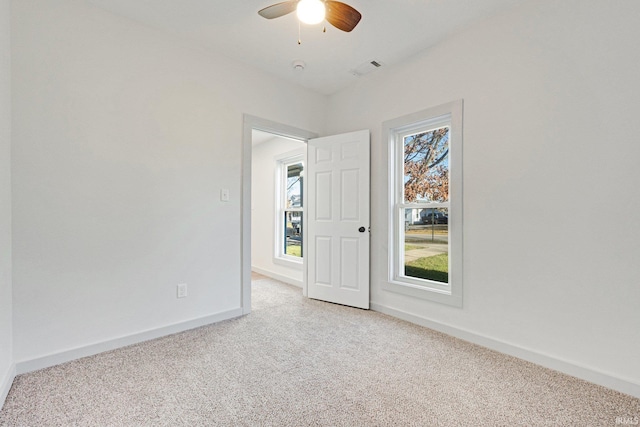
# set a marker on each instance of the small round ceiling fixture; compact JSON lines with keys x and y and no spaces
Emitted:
{"x":298,"y":65}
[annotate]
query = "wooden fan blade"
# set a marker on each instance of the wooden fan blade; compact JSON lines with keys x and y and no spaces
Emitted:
{"x":279,"y":9}
{"x":342,"y":16}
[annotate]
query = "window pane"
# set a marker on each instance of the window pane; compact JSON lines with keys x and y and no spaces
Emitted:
{"x":426,"y":166}
{"x":426,"y":244}
{"x":293,"y":233}
{"x":294,"y":186}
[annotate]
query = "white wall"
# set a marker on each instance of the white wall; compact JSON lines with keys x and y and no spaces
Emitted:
{"x":263,"y":206}
{"x":551,"y":179}
{"x":123,"y":138}
{"x":6,"y":312}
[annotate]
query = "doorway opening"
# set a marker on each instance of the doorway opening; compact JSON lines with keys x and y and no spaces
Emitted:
{"x":277,"y":206}
{"x":272,"y":203}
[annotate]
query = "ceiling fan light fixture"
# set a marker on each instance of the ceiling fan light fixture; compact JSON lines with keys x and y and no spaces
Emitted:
{"x":340,"y":15}
{"x":311,"y":11}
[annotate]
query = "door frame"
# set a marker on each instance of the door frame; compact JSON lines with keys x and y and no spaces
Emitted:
{"x":250,"y":123}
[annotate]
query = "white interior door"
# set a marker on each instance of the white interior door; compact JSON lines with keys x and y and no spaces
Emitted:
{"x":338,"y":219}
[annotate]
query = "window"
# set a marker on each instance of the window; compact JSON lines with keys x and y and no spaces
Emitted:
{"x":289,"y":227}
{"x":425,"y":181}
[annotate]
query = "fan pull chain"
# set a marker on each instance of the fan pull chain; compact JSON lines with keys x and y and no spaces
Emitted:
{"x":324,"y":30}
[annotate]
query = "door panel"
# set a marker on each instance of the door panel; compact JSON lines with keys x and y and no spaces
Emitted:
{"x":322,"y":211}
{"x":323,"y":260}
{"x":338,"y":253}
{"x":349,"y":251}
{"x":349,"y":195}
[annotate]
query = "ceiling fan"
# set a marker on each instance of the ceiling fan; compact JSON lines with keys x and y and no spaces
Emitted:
{"x":340,"y":15}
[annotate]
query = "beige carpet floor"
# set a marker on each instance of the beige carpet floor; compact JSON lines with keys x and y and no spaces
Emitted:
{"x":299,"y":362}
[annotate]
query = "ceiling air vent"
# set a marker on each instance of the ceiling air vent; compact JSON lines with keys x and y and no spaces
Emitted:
{"x":365,"y":68}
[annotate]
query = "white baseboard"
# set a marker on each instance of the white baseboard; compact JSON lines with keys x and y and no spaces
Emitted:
{"x":277,"y":276}
{"x":6,"y":381}
{"x":100,"y":347}
{"x":566,"y":367}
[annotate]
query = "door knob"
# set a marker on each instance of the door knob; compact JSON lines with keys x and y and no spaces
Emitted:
{"x":361,"y":229}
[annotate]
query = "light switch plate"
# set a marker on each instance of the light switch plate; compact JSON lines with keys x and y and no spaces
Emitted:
{"x":182,"y":290}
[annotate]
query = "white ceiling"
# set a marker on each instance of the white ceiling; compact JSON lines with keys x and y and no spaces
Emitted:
{"x":389,"y":32}
{"x":258,"y":137}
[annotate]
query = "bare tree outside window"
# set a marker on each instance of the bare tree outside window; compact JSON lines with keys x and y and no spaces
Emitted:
{"x":426,"y":166}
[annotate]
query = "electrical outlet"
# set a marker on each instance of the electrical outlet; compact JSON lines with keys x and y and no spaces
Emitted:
{"x":182,"y":290}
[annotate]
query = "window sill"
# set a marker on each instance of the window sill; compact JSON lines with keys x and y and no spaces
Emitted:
{"x":423,"y":292}
{"x":295,"y":263}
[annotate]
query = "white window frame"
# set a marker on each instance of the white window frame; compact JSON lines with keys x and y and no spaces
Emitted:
{"x":394,"y":131}
{"x":282,"y":162}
